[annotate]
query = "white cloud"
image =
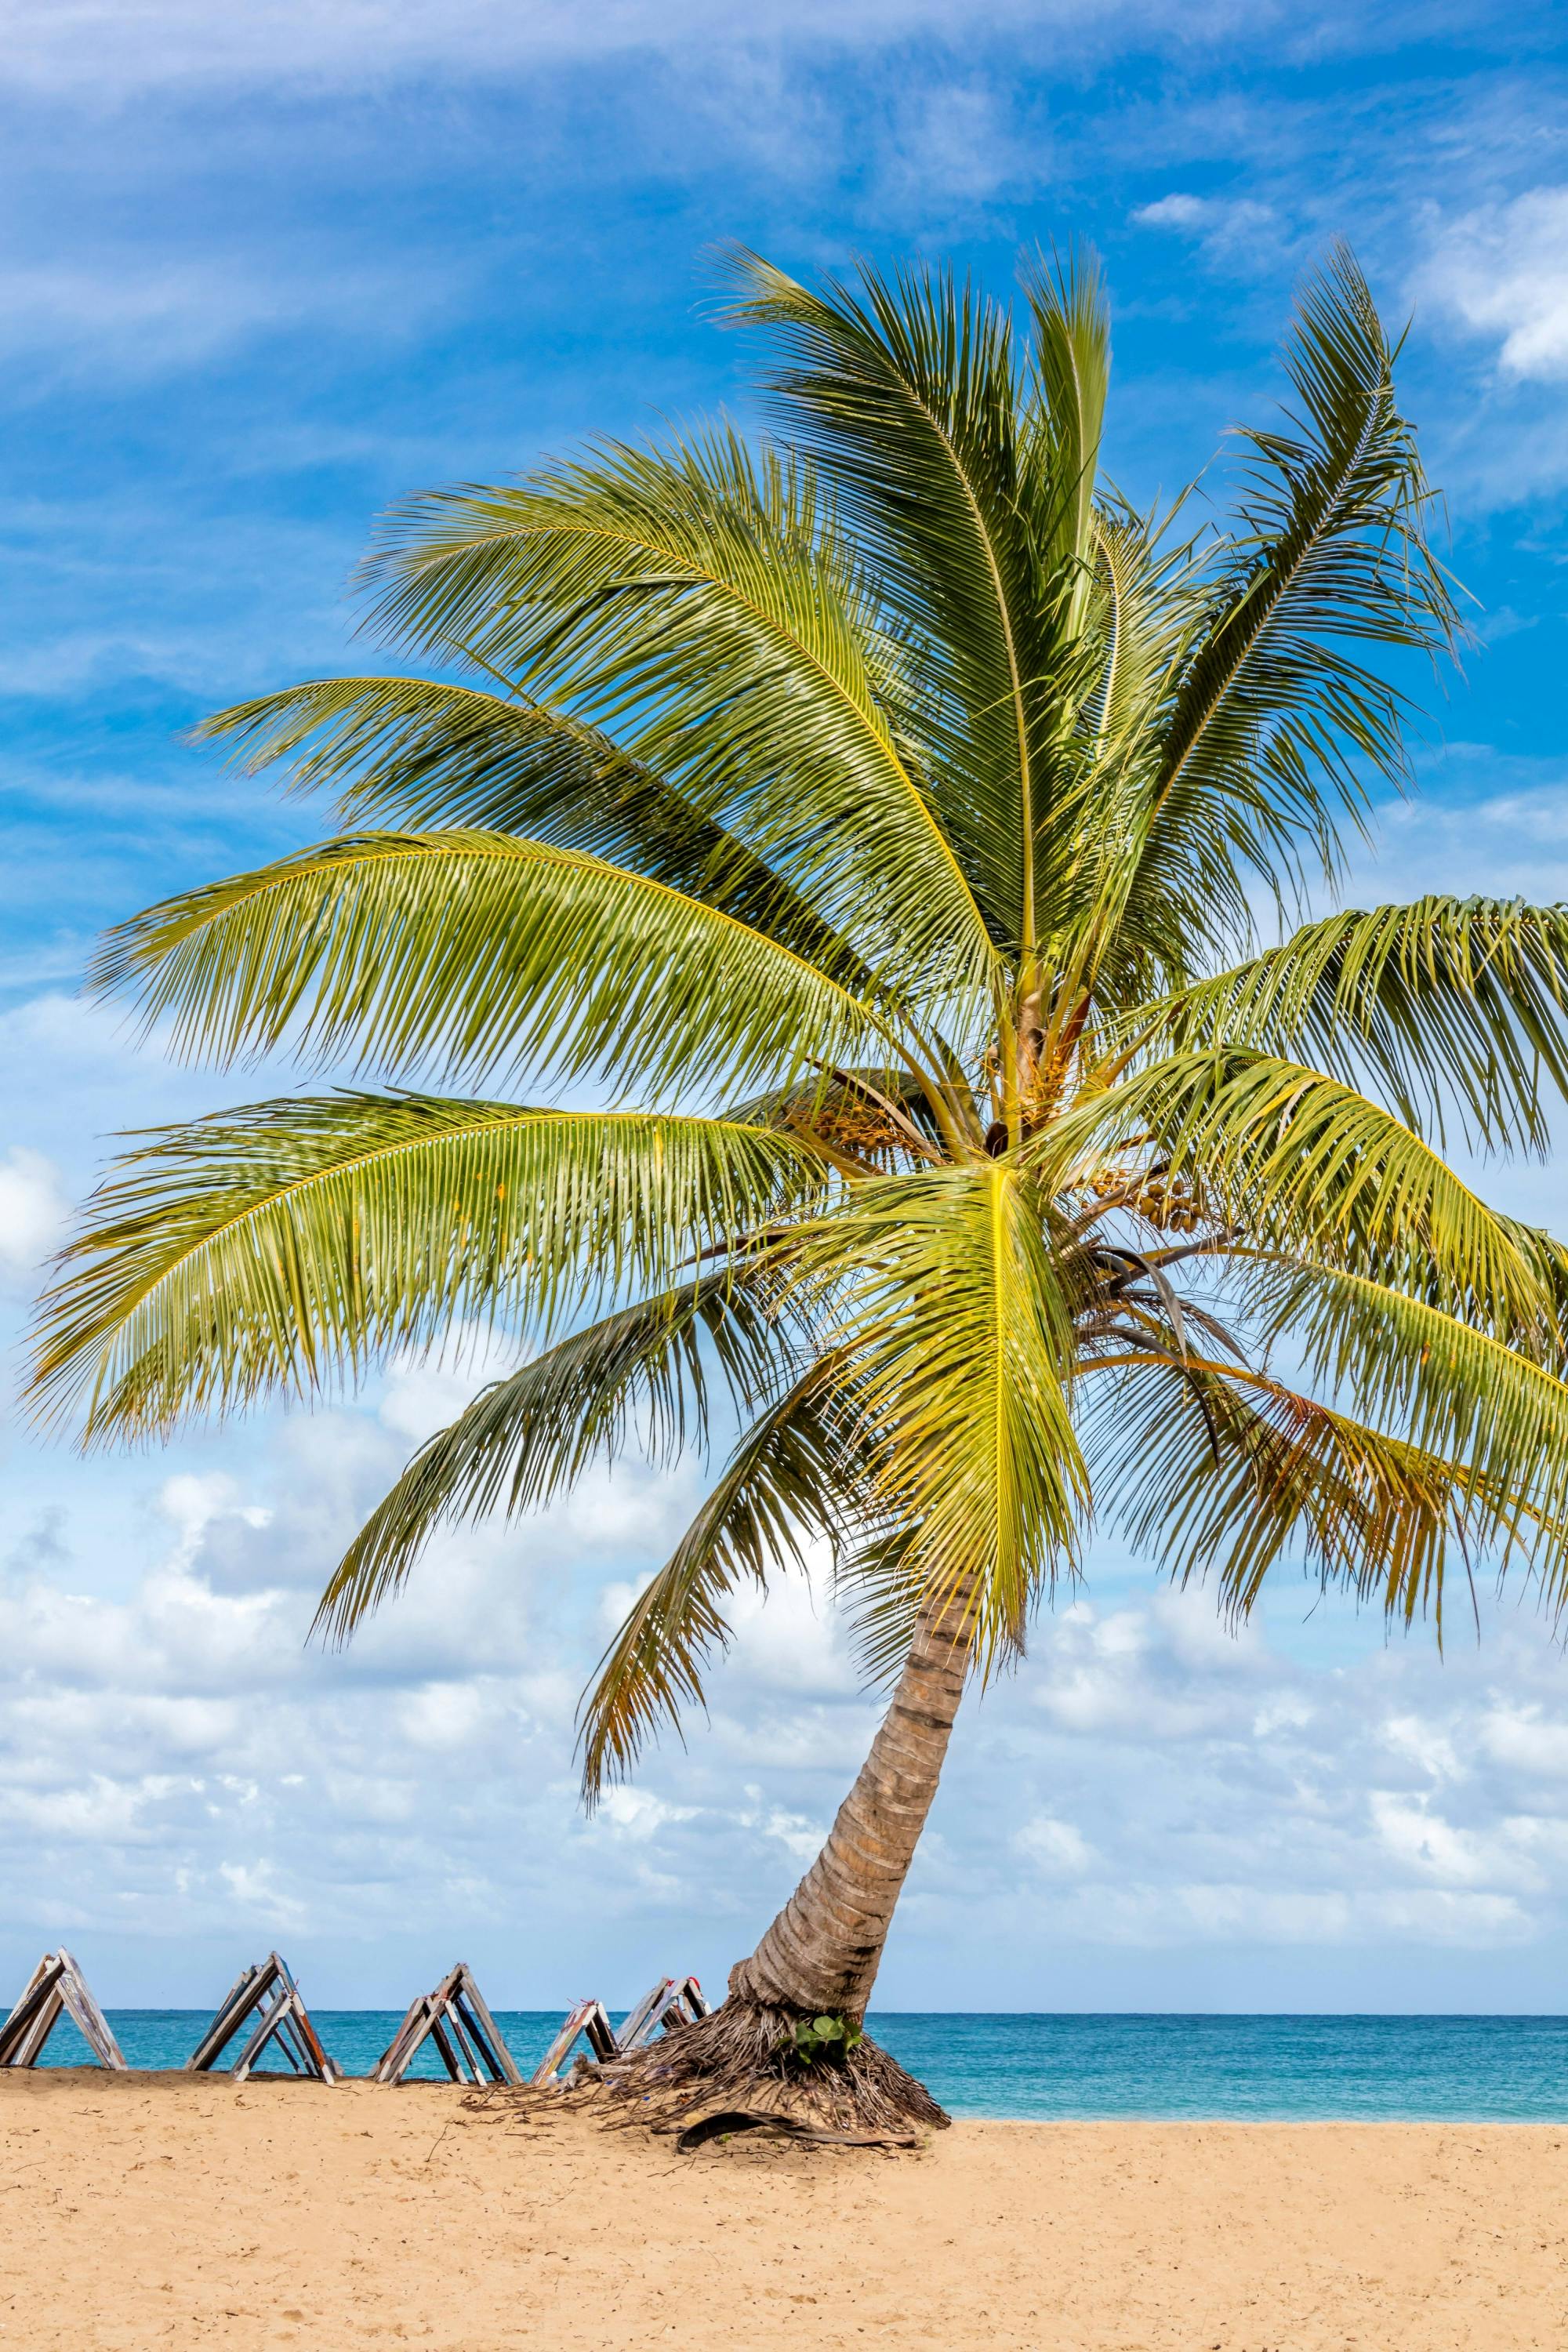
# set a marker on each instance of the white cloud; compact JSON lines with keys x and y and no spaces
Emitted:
{"x":1526,"y":1739}
{"x":640,"y":1814}
{"x":422,"y":1395}
{"x":1511,"y":840}
{"x":126,"y":45}
{"x":1229,"y":229}
{"x":1502,"y":271}
{"x":252,"y":1887}
{"x":32,"y":1212}
{"x":1055,"y":1847}
{"x":1432,"y":1846}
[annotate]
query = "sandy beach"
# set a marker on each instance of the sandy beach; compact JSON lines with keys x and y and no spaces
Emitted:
{"x":138,"y":2210}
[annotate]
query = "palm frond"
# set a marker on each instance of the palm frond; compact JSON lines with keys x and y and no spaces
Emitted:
{"x":1445,"y":1003}
{"x":284,"y":1246}
{"x":1070,"y":359}
{"x":475,"y":954}
{"x":952,"y":1319}
{"x":1293,"y":1161}
{"x":1215,"y":1469}
{"x":908,"y":391}
{"x":409,"y":752}
{"x":637,"y":1374}
{"x":1277,"y":719}
{"x":783,"y":1485}
{"x":702,"y":606}
{"x":1432,"y":1377}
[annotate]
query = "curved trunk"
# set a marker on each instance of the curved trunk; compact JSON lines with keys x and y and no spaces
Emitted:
{"x":823,"y":1952}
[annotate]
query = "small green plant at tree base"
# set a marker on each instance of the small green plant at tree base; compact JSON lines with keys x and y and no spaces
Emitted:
{"x":830,"y":2038}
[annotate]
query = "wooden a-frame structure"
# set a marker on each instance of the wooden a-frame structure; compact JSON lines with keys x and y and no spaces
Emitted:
{"x":267,"y":1993}
{"x":672,"y":2001}
{"x":57,"y":1986}
{"x":456,"y":2018}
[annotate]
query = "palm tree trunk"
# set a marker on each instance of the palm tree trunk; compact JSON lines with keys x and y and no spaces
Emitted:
{"x":823,"y":1952}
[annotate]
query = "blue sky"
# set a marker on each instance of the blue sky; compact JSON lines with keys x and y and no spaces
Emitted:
{"x":266,"y":268}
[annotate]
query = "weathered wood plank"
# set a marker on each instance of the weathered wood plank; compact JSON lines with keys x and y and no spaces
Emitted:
{"x":35,"y":1997}
{"x":267,"y":1999}
{"x":637,"y":2024}
{"x":225,"y":2017}
{"x":468,"y":2039}
{"x":504,"y":2066}
{"x":574,"y":2023}
{"x":56,"y":1988}
{"x":91,"y":2020}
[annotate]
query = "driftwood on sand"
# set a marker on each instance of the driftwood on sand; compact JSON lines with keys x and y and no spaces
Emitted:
{"x":267,"y":1994}
{"x":56,"y":1987}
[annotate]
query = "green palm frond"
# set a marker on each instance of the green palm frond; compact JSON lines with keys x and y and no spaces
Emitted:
{"x":704,"y":605}
{"x":1404,"y":1364}
{"x":785,"y":1484}
{"x":1276,"y":717}
{"x":638,"y":1373}
{"x":476,"y":953}
{"x":953,"y":1320}
{"x":1070,"y":356}
{"x":1218,"y":1470}
{"x":1293,"y":1161}
{"x":1445,"y":1003}
{"x":282,"y":1247}
{"x":403,"y":751}
{"x":907,"y":394}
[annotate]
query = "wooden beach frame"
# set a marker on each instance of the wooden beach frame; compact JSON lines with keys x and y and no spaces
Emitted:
{"x":57,"y":1986}
{"x":466,"y":2037}
{"x":267,"y":1991}
{"x":672,"y":2000}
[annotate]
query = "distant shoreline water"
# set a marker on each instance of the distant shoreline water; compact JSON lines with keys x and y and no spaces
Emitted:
{"x":1040,"y":2067}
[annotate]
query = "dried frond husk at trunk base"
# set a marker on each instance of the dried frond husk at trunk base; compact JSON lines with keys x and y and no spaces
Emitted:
{"x":742,"y":2056}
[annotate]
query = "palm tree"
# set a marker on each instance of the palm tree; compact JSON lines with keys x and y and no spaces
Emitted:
{"x":874,"y":820}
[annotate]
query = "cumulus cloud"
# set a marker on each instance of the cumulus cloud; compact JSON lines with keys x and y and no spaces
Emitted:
{"x":176,"y":1767}
{"x":1501,"y":270}
{"x":33,"y":1211}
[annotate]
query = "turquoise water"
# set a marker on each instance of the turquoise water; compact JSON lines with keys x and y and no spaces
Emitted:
{"x":1455,"y":2069}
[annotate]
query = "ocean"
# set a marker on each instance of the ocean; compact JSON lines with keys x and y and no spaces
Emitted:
{"x":1287,"y":2069}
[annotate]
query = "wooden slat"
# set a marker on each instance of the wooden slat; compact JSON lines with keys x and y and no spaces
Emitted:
{"x":601,"y":2034}
{"x":226,"y":2016}
{"x":575,"y":2022}
{"x":389,"y":2066}
{"x":462,"y":2029}
{"x":695,"y":2000}
{"x":637,"y":2026}
{"x":91,"y":2020}
{"x":35,"y":1995}
{"x":300,"y":2016}
{"x":468,"y":1991}
{"x":449,"y":2058}
{"x":268,"y":1995}
{"x":260,"y":2038}
{"x":41,"y":2025}
{"x":467,"y":2038}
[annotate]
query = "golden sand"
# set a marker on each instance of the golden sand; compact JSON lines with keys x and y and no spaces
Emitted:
{"x":142,"y":2210}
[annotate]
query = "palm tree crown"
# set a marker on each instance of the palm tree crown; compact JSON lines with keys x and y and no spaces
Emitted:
{"x":876,"y":820}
